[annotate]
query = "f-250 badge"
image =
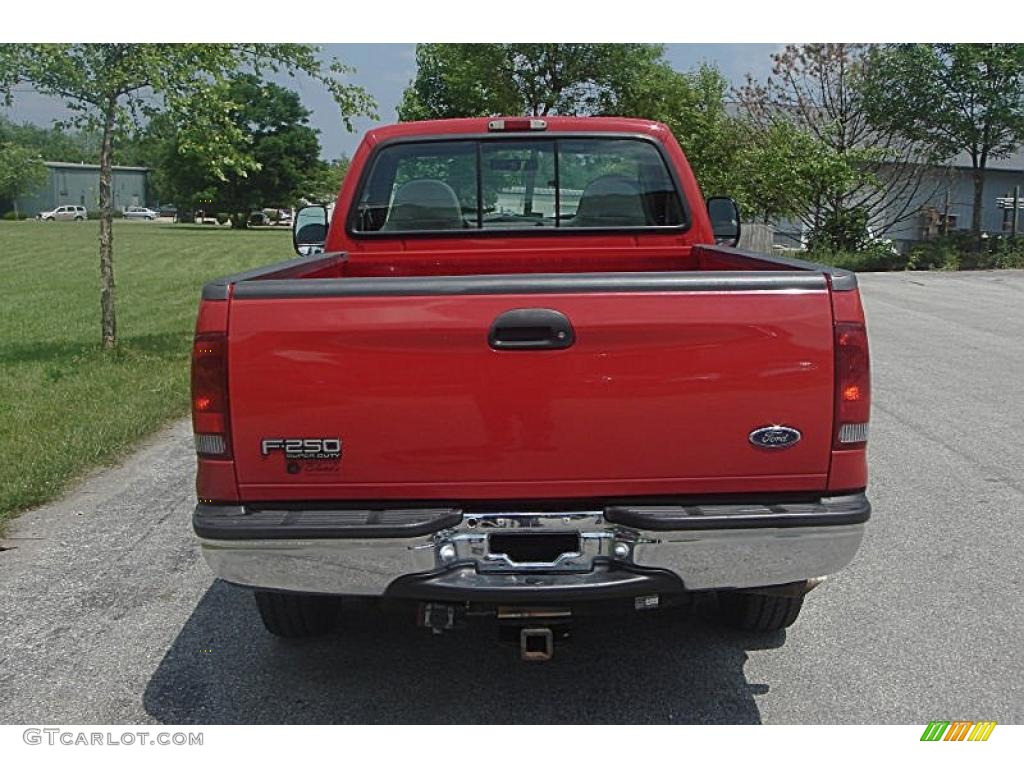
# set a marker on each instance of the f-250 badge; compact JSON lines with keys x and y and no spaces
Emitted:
{"x":775,"y":436}
{"x":303,"y":448}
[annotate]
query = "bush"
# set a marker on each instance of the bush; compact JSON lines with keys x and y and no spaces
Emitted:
{"x":14,"y":216}
{"x":878,"y":256}
{"x":223,"y":218}
{"x":844,"y":231}
{"x":93,"y":214}
{"x":936,"y":254}
{"x":957,"y":251}
{"x":1001,"y":253}
{"x":953,"y":252}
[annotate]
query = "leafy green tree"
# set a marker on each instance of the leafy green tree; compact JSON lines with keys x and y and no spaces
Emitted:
{"x":274,"y":131}
{"x":322,"y":185}
{"x":475,"y":80}
{"x":467,"y":80}
{"x":65,"y":144}
{"x":693,"y":105}
{"x":773,"y":170}
{"x":109,"y":85}
{"x":781,"y":171}
{"x":21,"y":172}
{"x":960,"y":97}
{"x":180,"y":177}
{"x":457,"y":80}
{"x":55,"y":143}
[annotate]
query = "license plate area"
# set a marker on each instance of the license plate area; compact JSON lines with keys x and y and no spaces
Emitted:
{"x":533,"y":548}
{"x":524,"y":542}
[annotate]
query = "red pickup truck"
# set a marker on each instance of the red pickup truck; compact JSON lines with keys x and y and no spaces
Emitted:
{"x":522,"y":369}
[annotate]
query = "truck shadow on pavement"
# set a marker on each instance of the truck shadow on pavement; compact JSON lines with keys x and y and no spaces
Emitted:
{"x":672,"y":666}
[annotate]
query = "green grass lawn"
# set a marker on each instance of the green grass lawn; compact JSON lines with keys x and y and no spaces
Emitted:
{"x":65,"y":406}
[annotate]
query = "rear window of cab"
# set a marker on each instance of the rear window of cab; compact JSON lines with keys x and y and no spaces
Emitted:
{"x":517,"y":185}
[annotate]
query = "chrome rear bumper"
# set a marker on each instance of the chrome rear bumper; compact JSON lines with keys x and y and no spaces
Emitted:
{"x":445,"y":553}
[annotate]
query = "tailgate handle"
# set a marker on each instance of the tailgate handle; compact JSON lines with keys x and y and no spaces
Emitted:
{"x":525,"y":329}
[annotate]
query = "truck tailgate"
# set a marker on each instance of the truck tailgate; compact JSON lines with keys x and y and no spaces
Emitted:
{"x":657,"y":394}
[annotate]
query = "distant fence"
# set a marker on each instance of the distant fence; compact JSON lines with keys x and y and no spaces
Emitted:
{"x":757,"y":237}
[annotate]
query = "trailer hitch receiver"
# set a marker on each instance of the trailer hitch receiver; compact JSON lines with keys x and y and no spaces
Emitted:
{"x":536,"y":644}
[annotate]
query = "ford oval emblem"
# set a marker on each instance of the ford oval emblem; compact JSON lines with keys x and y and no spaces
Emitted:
{"x":775,"y":436}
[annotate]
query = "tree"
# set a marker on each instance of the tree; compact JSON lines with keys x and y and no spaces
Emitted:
{"x":776,"y":168}
{"x":21,"y":172}
{"x":693,"y":105}
{"x":110,"y":85}
{"x":476,"y":80}
{"x":471,"y":80}
{"x":869,"y":173}
{"x":961,"y":97}
{"x":274,"y":130}
{"x":177,"y":175}
{"x":323,"y":184}
{"x":54,"y":143}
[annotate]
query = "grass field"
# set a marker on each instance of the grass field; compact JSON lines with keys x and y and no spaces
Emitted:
{"x":65,"y":406}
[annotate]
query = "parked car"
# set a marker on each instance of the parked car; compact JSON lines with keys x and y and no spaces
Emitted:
{"x":168,"y":210}
{"x":259,"y":219}
{"x":65,"y":213}
{"x":138,"y":212}
{"x":483,"y":396}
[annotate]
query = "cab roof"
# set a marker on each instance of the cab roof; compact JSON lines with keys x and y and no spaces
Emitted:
{"x":478,"y":125}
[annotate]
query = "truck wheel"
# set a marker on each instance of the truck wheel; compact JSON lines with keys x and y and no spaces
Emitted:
{"x":753,"y":612}
{"x":297,"y":616}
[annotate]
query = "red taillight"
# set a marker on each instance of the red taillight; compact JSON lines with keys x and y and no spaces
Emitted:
{"x":853,"y":386}
{"x":210,"y":395}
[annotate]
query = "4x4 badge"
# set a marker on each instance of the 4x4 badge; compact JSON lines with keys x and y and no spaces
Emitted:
{"x":775,"y":436}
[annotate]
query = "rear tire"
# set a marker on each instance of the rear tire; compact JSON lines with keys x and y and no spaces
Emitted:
{"x":753,"y":612}
{"x":297,"y":616}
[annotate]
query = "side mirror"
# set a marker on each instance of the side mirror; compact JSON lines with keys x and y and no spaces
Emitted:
{"x":309,"y":230}
{"x":725,"y":220}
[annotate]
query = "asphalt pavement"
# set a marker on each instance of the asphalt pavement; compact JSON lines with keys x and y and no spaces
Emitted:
{"x":109,"y":615}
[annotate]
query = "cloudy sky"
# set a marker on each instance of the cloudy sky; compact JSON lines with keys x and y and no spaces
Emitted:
{"x":385,"y":70}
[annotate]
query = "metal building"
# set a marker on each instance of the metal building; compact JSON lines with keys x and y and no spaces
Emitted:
{"x":948,"y":203}
{"x":79,"y":184}
{"x":944,"y":202}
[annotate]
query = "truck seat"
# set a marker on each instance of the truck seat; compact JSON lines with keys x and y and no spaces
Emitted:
{"x":610,"y":201}
{"x":424,"y":204}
